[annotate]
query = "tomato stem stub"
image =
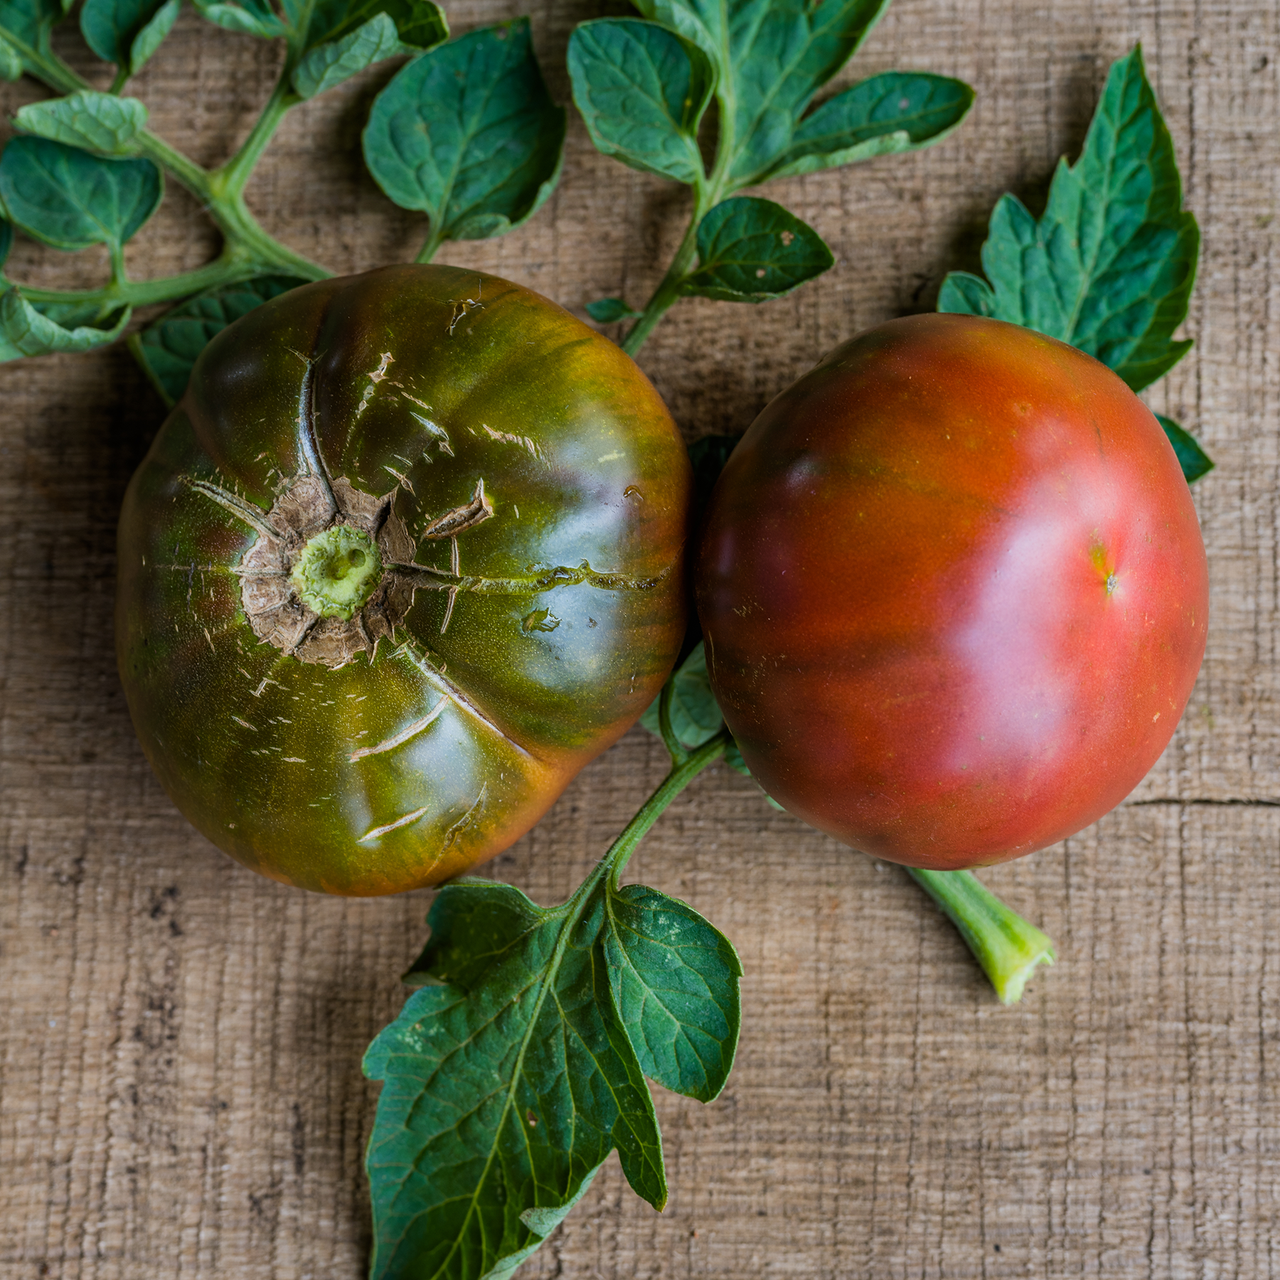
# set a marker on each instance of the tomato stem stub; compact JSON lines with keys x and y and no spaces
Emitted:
{"x":337,"y":572}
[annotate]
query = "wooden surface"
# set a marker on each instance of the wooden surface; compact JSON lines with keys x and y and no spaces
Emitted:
{"x":180,"y":1092}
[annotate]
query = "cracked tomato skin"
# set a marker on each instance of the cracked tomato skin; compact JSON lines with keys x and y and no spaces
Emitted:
{"x":515,"y":494}
{"x":954,"y":592}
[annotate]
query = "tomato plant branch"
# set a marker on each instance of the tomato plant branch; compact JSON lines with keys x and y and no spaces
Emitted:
{"x":682,"y":773}
{"x":228,"y":268}
{"x":1004,"y":944}
{"x":706,"y":194}
{"x":220,"y":192}
{"x":228,"y":181}
{"x":668,"y":291}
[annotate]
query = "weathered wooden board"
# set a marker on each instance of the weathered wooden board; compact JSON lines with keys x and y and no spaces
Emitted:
{"x":180,"y":1092}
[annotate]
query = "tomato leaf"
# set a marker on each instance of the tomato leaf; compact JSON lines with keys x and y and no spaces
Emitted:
{"x":674,"y":979}
{"x":610,"y":310}
{"x":167,"y":349}
{"x":505,"y":1086}
{"x":896,"y":111}
{"x":100,"y":122}
{"x":70,"y":199}
{"x":26,"y":22}
{"x":248,"y":17}
{"x":1191,"y":457}
{"x":770,"y":57}
{"x":468,"y":134}
{"x":11,"y":65}
{"x":642,"y":91}
{"x":342,"y":39}
{"x":750,"y":250}
{"x":26,"y":330}
{"x":127,"y":32}
{"x":6,"y":240}
{"x":1110,"y":265}
{"x":330,"y":64}
{"x":695,"y":714}
{"x":419,"y":23}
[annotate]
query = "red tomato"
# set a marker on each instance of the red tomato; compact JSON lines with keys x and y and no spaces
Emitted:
{"x":954,"y":592}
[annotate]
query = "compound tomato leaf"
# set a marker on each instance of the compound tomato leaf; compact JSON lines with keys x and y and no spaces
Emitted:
{"x":642,"y":92}
{"x":330,"y":64}
{"x":100,"y":122}
{"x":770,"y":58}
{"x":168,"y":347}
{"x":1110,"y":265}
{"x":750,"y":250}
{"x":468,"y":135}
{"x":501,"y":1098}
{"x":127,"y":32}
{"x":896,"y":111}
{"x":26,"y":330}
{"x":70,"y":199}
{"x":674,"y":979}
{"x":695,"y":714}
{"x":1191,"y":457}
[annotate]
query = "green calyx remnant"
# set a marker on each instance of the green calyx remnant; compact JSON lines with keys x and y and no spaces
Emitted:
{"x":337,"y":572}
{"x":1005,"y":945}
{"x":1110,"y":264}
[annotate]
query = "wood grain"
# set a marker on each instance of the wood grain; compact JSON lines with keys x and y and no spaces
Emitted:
{"x":180,"y":1092}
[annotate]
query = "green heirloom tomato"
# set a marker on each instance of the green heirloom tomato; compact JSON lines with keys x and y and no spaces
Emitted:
{"x":405,"y":557}
{"x":953,"y":592}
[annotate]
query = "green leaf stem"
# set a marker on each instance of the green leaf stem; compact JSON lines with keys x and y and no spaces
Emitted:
{"x":70,"y":199}
{"x":127,"y":32}
{"x":101,"y":122}
{"x":168,"y":348}
{"x":751,"y":249}
{"x":468,"y":135}
{"x":642,"y":91}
